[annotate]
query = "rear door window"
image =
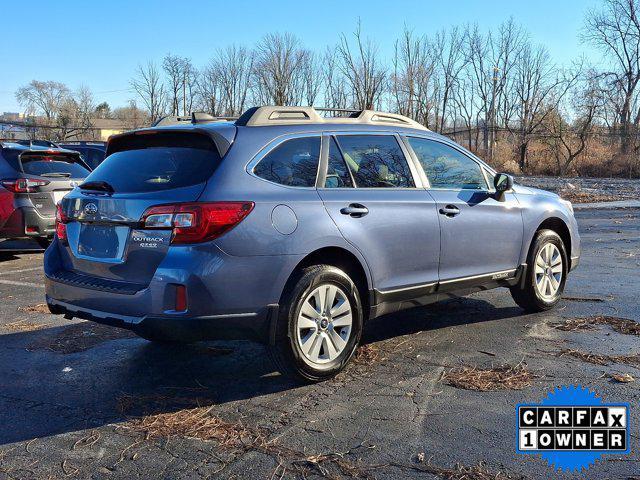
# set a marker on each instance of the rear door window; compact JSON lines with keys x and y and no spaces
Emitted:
{"x":52,"y":166}
{"x":293,"y":163}
{"x":154,"y":162}
{"x":376,"y":161}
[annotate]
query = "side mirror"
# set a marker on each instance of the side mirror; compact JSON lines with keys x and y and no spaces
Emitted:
{"x":502,"y":182}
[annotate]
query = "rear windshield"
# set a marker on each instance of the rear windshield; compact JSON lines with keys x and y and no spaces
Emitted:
{"x":52,"y":165}
{"x":161,"y":162}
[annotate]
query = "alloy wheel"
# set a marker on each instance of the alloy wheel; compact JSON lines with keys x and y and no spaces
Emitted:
{"x":324,"y":324}
{"x":548,"y":271}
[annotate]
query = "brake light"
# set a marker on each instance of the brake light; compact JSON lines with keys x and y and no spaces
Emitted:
{"x":196,"y":222}
{"x":23,"y":185}
{"x":61,"y":223}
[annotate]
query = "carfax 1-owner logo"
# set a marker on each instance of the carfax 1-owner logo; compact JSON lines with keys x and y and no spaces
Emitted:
{"x":572,"y":428}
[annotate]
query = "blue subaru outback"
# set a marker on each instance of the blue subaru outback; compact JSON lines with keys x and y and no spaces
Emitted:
{"x":295,"y":229}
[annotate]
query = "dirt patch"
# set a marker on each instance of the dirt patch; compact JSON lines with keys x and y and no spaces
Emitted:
{"x":633,"y":360}
{"x":504,"y":377}
{"x":79,"y":337}
{"x":39,"y":308}
{"x":367,"y":355}
{"x":200,"y":423}
{"x":620,"y":325}
{"x":24,"y":326}
{"x":462,"y":472}
{"x":579,"y":196}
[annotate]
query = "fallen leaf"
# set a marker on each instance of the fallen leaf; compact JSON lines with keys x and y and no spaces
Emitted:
{"x":623,"y":378}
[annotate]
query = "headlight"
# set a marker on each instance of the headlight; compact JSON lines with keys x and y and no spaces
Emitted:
{"x":568,"y":204}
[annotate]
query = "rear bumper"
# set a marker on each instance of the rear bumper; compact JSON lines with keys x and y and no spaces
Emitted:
{"x":228,"y":297}
{"x":27,"y":222}
{"x":239,"y":326}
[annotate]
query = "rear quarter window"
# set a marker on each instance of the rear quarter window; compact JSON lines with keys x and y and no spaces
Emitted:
{"x":293,"y":163}
{"x":154,"y":162}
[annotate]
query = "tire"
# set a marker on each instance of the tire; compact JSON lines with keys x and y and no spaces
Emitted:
{"x":311,"y":343}
{"x":535,"y":294}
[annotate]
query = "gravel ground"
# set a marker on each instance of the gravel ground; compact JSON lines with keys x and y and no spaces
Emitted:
{"x":586,"y":190}
{"x":82,"y":401}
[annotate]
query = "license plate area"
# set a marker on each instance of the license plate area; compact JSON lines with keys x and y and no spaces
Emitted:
{"x":101,"y":241}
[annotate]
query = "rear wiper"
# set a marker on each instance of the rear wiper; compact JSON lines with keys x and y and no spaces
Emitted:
{"x":66,"y":175}
{"x":99,"y":186}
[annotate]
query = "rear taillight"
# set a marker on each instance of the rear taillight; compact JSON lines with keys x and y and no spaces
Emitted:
{"x":61,"y":223}
{"x":196,"y":222}
{"x":23,"y":185}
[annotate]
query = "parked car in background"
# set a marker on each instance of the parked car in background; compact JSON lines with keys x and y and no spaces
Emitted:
{"x":92,"y":151}
{"x":32,"y":180}
{"x":295,"y":230}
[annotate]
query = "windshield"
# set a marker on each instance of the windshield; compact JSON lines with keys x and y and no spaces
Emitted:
{"x":52,"y":166}
{"x":154,"y":169}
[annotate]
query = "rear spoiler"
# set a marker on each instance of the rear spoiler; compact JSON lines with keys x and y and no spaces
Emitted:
{"x":222,"y":136}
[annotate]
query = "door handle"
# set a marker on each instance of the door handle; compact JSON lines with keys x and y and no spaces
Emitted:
{"x":355,"y":210}
{"x":450,"y":211}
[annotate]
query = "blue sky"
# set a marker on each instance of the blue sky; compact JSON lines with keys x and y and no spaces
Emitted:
{"x":99,"y":44}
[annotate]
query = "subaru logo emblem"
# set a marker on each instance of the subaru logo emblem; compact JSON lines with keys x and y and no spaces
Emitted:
{"x":91,"y":208}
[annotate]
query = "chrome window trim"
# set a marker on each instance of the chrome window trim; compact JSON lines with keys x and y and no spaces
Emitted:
{"x":272,"y":145}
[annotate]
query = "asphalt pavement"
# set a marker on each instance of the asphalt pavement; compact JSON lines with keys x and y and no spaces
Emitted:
{"x":84,"y":401}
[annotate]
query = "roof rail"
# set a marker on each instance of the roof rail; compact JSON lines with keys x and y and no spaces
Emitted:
{"x":277,"y":115}
{"x":195,"y":117}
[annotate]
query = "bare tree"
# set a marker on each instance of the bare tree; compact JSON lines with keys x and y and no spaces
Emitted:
{"x":231,"y":69}
{"x":131,"y":116}
{"x":43,"y":97}
{"x":615,"y":30}
{"x":567,"y":140}
{"x":363,"y":70}
{"x":278,"y":73}
{"x":335,"y":91}
{"x":148,"y":85}
{"x":413,"y":69}
{"x":539,"y":87}
{"x":450,"y":53}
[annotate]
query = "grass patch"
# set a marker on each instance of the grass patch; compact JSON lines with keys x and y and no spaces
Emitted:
{"x":504,"y":377}
{"x":625,"y":326}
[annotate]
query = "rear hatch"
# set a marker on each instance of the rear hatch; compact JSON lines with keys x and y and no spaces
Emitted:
{"x":105,"y":235}
{"x":45,"y":176}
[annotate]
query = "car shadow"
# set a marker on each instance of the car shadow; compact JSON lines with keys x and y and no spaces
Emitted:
{"x":45,"y":392}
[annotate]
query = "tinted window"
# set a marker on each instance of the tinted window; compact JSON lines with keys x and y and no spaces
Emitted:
{"x":446,"y":167}
{"x":376,"y":161}
{"x":337,"y":173}
{"x":52,"y":165}
{"x":293,"y":162}
{"x":94,"y":157}
{"x":154,"y":169}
